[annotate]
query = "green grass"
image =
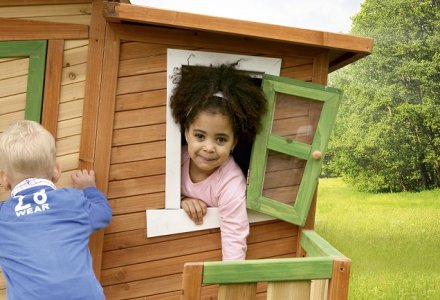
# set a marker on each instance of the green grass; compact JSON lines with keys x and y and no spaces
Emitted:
{"x":393,"y":240}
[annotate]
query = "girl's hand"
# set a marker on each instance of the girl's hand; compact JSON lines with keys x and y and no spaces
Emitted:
{"x":195,"y":209}
{"x":83,"y":179}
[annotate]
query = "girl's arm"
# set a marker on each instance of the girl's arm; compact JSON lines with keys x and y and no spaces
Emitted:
{"x":234,"y":223}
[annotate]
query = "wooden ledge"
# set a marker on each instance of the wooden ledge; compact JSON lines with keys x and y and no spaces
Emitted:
{"x":118,"y":12}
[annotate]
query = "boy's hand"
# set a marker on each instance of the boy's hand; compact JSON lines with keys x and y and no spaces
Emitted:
{"x":195,"y":209}
{"x":83,"y":179}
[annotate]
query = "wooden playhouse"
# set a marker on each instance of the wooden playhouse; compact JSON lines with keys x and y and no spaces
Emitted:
{"x":97,"y":75}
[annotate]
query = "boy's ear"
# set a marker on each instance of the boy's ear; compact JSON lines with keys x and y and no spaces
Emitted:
{"x":4,"y":181}
{"x":56,"y":173}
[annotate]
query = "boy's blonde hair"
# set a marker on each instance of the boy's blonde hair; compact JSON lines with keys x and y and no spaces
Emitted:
{"x":27,"y":150}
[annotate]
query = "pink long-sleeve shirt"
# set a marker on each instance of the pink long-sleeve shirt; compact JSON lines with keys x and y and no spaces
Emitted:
{"x":225,"y":189}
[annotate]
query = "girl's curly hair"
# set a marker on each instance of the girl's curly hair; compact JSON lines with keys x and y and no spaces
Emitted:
{"x":243,"y":101}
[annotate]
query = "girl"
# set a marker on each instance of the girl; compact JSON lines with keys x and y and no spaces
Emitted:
{"x":216,"y":107}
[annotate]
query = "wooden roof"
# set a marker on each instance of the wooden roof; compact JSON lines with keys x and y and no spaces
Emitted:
{"x":344,"y":49}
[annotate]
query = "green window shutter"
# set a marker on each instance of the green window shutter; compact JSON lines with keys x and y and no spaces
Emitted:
{"x":36,"y":51}
{"x":287,"y":153}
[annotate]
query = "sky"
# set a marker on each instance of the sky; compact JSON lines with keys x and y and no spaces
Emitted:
{"x":323,"y":15}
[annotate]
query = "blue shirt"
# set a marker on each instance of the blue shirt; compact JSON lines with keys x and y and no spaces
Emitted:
{"x":44,"y":234}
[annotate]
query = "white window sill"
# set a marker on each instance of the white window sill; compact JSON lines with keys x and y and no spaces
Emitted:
{"x":162,"y":222}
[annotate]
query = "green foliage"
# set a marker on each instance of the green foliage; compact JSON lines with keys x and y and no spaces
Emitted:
{"x":392,"y":239}
{"x":387,"y":136}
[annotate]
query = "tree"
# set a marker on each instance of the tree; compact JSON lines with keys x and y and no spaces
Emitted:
{"x":387,"y":137}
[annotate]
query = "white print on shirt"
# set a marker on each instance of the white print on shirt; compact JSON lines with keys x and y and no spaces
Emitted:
{"x":40,"y":199}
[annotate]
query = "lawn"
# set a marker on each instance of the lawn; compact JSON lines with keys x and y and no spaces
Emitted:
{"x":393,"y":240}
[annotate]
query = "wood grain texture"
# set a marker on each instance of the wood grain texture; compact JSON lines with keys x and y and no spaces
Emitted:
{"x":89,"y":126}
{"x":52,"y":85}
{"x":117,"y":12}
{"x":15,"y":29}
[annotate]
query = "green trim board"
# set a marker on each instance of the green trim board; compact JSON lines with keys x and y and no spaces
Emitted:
{"x":36,"y":51}
{"x":267,"y":141}
{"x":282,"y":269}
{"x":315,"y":245}
{"x":317,"y":265}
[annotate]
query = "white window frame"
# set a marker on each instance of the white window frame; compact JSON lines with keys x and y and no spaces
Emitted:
{"x":173,"y":219}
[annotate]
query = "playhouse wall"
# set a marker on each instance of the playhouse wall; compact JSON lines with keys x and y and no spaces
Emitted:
{"x":14,"y":76}
{"x":134,"y":266}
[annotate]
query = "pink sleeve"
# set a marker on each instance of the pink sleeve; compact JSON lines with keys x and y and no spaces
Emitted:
{"x":234,"y":223}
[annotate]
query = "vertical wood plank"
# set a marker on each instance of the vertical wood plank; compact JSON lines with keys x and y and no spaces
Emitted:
{"x":310,"y":224}
{"x":319,"y":289}
{"x":90,"y":115}
{"x":104,"y":132}
{"x":338,"y":287}
{"x":243,"y":291}
{"x":192,"y":281}
{"x":52,"y":85}
{"x":295,"y":290}
{"x":320,"y":68}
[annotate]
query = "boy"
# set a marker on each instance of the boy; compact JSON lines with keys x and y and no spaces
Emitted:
{"x":44,"y":231}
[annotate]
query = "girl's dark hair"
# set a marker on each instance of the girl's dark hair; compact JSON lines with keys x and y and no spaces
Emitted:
{"x":243,"y":102}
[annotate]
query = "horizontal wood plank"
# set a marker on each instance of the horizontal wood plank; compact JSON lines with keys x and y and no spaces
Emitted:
{"x":157,"y":268}
{"x":71,"y":44}
{"x":70,"y":110}
{"x":157,"y":251}
{"x":45,"y":10}
{"x":74,"y":74}
{"x":137,"y":169}
{"x":16,"y":29}
{"x":13,"y":86}
{"x":132,"y":50}
{"x":138,"y":152}
{"x":75,"y":56}
{"x":143,"y":65}
{"x":144,"y":288}
{"x":138,"y":135}
{"x":293,"y":126}
{"x":136,"y":186}
{"x":14,"y":103}
{"x":286,"y":194}
{"x":138,"y":203}
{"x":279,"y":161}
{"x":67,"y":145}
{"x":69,"y":127}
{"x":140,"y":83}
{"x":68,"y":162}
{"x":14,"y":67}
{"x":134,"y":238}
{"x":282,"y":178}
{"x":141,"y":100}
{"x":77,"y":19}
{"x":71,"y":92}
{"x":9,"y":118}
{"x":140,"y":117}
{"x":126,"y":222}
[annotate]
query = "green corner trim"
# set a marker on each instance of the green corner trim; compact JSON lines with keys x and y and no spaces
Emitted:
{"x":316,"y":246}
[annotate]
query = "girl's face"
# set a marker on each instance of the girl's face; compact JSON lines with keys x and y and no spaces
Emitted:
{"x":210,"y":140}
